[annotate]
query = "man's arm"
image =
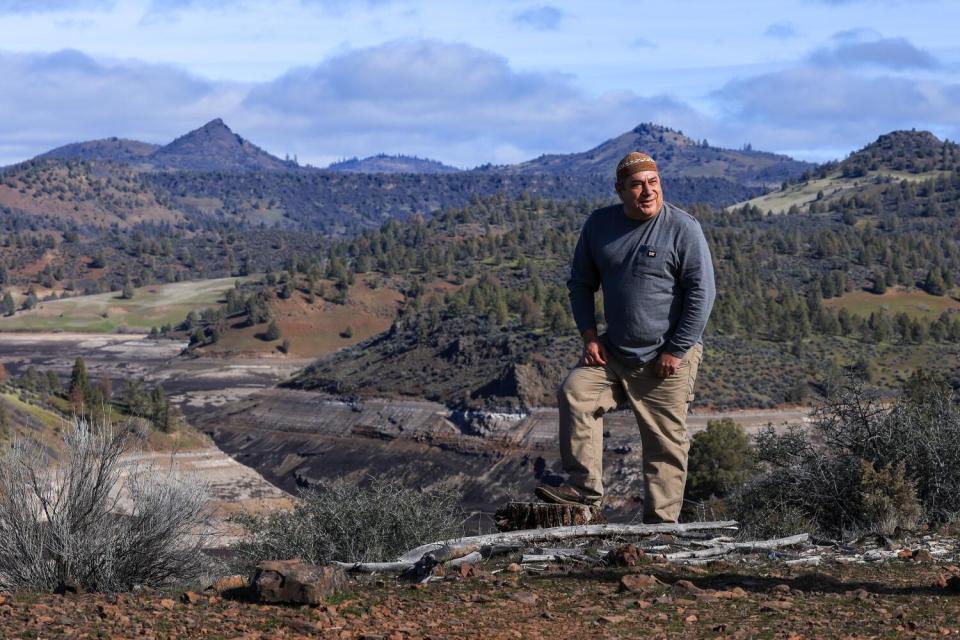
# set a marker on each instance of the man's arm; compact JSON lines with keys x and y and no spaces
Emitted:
{"x":698,"y":290}
{"x":582,"y":285}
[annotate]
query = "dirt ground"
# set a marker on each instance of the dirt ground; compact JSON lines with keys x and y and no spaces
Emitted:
{"x":894,"y":599}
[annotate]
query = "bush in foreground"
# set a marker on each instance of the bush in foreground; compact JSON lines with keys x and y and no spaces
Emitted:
{"x":345,"y":521}
{"x":721,"y":459}
{"x":864,"y":465}
{"x":88,"y":520}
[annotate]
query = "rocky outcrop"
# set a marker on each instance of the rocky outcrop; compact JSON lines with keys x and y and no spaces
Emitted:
{"x":297,"y":438}
{"x":296,"y":582}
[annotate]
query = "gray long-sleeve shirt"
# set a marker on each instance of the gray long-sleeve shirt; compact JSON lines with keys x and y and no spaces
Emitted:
{"x":657,"y":279}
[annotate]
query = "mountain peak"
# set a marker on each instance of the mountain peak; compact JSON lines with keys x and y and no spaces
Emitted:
{"x":677,"y":156}
{"x":214,"y":147}
{"x":912,"y":151}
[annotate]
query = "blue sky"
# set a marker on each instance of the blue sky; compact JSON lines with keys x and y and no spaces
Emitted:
{"x":474,"y":82}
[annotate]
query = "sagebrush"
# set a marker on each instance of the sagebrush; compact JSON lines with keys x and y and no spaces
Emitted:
{"x":346,"y":521}
{"x":87,"y":519}
{"x":865,"y":464}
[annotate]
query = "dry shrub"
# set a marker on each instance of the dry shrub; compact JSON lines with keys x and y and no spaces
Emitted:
{"x":863,"y":465}
{"x":62,"y":523}
{"x":888,"y":498}
{"x":345,"y":521}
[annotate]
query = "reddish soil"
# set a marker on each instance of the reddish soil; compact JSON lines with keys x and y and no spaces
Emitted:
{"x":888,"y":600}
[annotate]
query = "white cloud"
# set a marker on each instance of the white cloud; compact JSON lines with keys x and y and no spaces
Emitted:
{"x":809,"y":109}
{"x":450,"y":101}
{"x":890,"y":53}
{"x":545,"y":18}
{"x":52,"y":6}
{"x":66,"y":96}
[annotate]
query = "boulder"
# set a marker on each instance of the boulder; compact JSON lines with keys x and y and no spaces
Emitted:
{"x":296,"y":582}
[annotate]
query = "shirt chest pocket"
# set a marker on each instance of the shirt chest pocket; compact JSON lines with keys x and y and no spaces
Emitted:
{"x":649,"y":263}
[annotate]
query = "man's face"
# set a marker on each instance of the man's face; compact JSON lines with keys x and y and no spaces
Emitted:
{"x":641,"y":195}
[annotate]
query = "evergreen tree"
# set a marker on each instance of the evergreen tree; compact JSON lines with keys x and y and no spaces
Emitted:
{"x":272,"y":332}
{"x":78,"y":378}
{"x":9,"y":306}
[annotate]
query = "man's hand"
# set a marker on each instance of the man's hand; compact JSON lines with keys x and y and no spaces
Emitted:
{"x":594,"y":353}
{"x":667,"y":365}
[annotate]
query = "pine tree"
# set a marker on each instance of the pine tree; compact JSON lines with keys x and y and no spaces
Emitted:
{"x":272,"y":332}
{"x":78,"y":378}
{"x":9,"y":306}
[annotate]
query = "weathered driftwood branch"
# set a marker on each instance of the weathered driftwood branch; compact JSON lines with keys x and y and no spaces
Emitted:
{"x":425,"y":557}
{"x":558,"y":557}
{"x":563,"y":533}
{"x":375,"y":567}
{"x":726,"y":547}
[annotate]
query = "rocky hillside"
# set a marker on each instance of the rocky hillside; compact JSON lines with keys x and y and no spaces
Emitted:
{"x":383,"y":163}
{"x":905,"y":151}
{"x":676,"y":155}
{"x":212,"y":147}
{"x":118,"y":150}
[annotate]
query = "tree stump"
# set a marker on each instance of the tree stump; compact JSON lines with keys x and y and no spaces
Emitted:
{"x":540,"y":515}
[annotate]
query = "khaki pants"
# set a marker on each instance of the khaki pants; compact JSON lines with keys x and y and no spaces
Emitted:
{"x":660,"y":406}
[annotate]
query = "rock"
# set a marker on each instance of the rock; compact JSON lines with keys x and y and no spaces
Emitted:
{"x":627,"y":555}
{"x":732,"y":594}
{"x":638,"y":583}
{"x":524,"y":597}
{"x":776,"y":605}
{"x":538,"y":515}
{"x":295,"y":581}
{"x":228,"y":583}
{"x":686,"y":588}
{"x":859,"y":594}
{"x":167,"y":603}
{"x":781,"y":588}
{"x":611,"y":619}
{"x":922,"y":555}
{"x":950,"y":583}
{"x":68,"y":587}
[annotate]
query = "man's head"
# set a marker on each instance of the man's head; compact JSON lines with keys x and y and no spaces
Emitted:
{"x":638,"y":185}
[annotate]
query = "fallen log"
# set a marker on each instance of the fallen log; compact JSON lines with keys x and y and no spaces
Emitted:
{"x":426,"y":556}
{"x":564,"y":533}
{"x":727,"y":547}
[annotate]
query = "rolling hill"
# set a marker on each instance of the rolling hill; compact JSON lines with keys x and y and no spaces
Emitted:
{"x":383,"y":163}
{"x":902,"y":156}
{"x":212,"y":147}
{"x":676,"y":156}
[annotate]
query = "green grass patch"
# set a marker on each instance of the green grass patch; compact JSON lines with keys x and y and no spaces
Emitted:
{"x":834,"y":185}
{"x":914,"y":303}
{"x":46,"y":417}
{"x":151,"y":306}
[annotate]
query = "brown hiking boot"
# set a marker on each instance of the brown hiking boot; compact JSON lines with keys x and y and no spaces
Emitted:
{"x":564,"y":494}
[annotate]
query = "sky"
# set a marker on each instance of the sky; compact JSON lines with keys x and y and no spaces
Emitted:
{"x":469,"y":83}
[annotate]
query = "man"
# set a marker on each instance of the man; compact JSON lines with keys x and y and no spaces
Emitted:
{"x":654,"y":266}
